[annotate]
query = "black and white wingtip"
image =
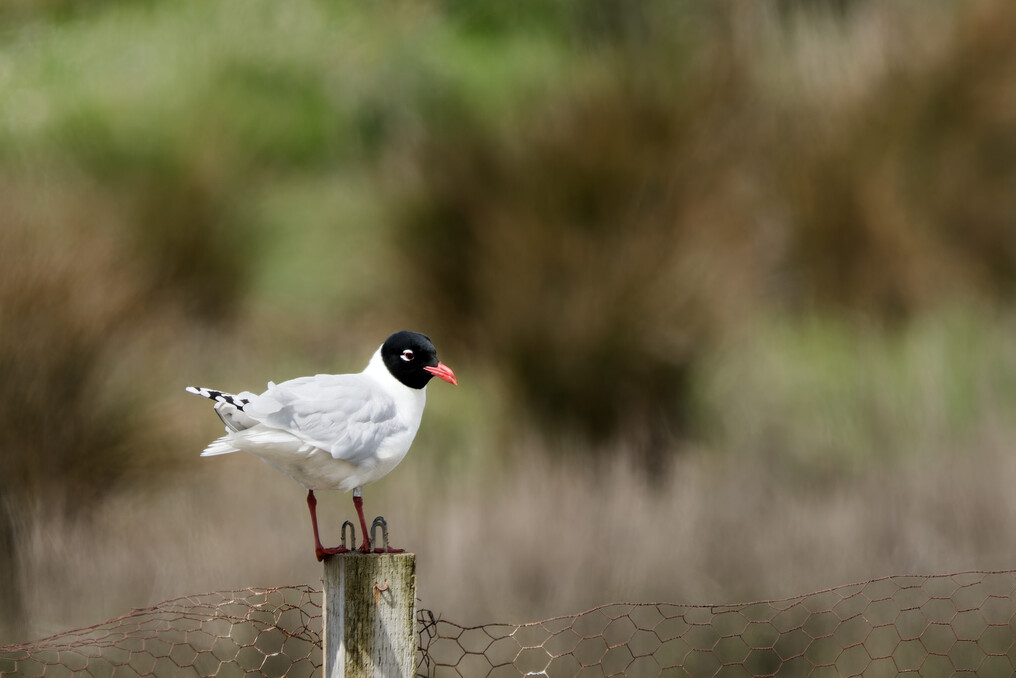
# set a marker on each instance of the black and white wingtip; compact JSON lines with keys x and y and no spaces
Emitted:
{"x":229,"y":407}
{"x":219,"y":396}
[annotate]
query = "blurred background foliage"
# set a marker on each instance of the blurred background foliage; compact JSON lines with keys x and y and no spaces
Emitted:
{"x":656,"y":231}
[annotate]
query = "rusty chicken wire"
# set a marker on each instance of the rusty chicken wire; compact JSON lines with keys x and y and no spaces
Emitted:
{"x":273,"y":632}
{"x":943,"y":625}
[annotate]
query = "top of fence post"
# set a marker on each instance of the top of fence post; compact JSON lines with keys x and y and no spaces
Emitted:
{"x":369,"y":615}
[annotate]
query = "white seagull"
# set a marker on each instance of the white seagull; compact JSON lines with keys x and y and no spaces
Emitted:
{"x":335,"y":431}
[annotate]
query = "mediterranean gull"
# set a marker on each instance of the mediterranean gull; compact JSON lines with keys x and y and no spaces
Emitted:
{"x":335,"y":431}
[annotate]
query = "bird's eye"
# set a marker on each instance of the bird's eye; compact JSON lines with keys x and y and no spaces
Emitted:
{"x":407,"y":355}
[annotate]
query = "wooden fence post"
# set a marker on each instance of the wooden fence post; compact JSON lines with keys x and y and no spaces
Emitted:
{"x":370,"y":615}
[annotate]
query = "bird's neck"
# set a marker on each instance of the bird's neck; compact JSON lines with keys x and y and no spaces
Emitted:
{"x":410,"y":400}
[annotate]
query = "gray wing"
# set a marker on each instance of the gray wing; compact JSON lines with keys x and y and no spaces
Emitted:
{"x":347,"y":415}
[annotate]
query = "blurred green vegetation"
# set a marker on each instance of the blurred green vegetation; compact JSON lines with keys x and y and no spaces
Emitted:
{"x":783,"y":228}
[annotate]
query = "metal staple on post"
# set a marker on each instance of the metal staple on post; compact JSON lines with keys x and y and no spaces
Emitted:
{"x":352,"y":536}
{"x":383,"y":524}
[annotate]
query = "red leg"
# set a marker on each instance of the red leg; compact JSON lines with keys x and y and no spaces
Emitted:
{"x":319,"y":550}
{"x":358,"y":503}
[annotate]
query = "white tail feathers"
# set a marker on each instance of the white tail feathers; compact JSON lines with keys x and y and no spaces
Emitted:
{"x":220,"y":446}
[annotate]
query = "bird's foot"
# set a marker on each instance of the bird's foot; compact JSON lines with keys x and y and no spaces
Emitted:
{"x":322,"y":551}
{"x":345,"y":547}
{"x":380,"y":549}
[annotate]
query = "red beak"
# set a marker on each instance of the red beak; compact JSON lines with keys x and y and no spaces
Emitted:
{"x":444,"y":372}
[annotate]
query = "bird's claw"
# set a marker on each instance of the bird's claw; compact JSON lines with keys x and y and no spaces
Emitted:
{"x":329,"y":551}
{"x":345,"y":547}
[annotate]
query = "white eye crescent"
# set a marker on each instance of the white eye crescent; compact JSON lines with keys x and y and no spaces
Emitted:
{"x":407,"y":355}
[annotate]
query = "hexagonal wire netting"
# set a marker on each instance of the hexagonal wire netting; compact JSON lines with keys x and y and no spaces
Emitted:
{"x":273,"y":632}
{"x":940,"y":625}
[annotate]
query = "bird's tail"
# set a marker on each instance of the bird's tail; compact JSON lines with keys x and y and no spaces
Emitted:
{"x":229,"y":407}
{"x":220,"y":446}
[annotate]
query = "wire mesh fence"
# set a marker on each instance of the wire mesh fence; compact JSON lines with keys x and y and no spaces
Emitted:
{"x":274,"y":632}
{"x":940,"y":625}
{"x":925,"y":625}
